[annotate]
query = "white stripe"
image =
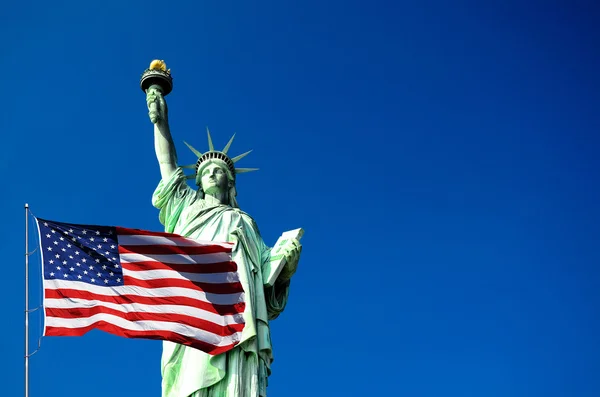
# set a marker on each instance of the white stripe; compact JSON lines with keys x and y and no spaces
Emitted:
{"x":217,"y":299}
{"x":185,"y":330}
{"x":177,"y":258}
{"x":211,"y":278}
{"x":141,"y":239}
{"x":77,"y":303}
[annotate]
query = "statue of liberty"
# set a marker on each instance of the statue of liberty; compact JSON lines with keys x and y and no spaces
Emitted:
{"x":211,"y":213}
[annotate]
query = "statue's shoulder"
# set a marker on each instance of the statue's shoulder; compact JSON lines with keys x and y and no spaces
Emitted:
{"x":242,"y":215}
{"x":248,"y":220}
{"x":246,"y":216}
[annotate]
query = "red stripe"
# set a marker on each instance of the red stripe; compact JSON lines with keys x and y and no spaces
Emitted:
{"x":220,"y":288}
{"x":133,"y":232}
{"x":129,"y":232}
{"x":199,"y":268}
{"x":161,"y":335}
{"x":219,"y":330}
{"x":161,"y":249}
{"x":144,"y":300}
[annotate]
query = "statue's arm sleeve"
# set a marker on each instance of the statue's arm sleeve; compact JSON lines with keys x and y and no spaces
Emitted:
{"x":276,"y":296}
{"x":260,"y":255}
{"x":171,"y":196}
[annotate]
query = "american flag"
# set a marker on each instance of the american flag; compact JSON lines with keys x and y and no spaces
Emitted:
{"x":140,"y":284}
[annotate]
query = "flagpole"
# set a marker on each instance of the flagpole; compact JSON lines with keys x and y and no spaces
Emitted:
{"x":26,"y":300}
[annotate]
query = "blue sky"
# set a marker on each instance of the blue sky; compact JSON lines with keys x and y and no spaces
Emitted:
{"x":442,"y":159}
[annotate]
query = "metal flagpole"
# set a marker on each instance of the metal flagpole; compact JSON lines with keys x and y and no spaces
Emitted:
{"x":26,"y":300}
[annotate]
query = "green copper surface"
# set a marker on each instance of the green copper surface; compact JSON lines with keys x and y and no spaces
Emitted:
{"x":211,"y":214}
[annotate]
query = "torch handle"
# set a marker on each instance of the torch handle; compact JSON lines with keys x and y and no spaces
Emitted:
{"x":153,"y":107}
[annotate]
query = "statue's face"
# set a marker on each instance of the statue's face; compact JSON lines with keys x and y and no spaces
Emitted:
{"x":214,"y":179}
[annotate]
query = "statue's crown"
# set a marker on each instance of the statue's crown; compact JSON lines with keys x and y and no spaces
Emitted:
{"x":221,"y":155}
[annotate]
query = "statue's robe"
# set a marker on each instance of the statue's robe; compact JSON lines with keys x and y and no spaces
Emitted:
{"x":242,"y":371}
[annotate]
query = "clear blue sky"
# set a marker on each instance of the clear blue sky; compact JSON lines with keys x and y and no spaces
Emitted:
{"x":441,"y":156}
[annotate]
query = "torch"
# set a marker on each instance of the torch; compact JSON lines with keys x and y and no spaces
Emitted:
{"x":157,"y":77}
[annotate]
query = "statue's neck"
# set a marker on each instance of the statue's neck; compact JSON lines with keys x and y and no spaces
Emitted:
{"x":216,"y":198}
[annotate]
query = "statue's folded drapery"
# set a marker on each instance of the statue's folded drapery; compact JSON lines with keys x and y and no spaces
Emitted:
{"x":242,"y":371}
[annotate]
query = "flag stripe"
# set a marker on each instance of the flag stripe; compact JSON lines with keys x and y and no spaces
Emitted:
{"x":197,"y":260}
{"x":216,"y":319}
{"x":172,"y":249}
{"x":205,"y":268}
{"x":222,"y":288}
{"x":212,"y":278}
{"x":142,"y":240}
{"x":134,"y":316}
{"x":137,"y":235}
{"x":67,"y":295}
{"x":124,"y":231}
{"x":219,"y":299}
{"x":143,"y":325}
{"x":172,"y":336}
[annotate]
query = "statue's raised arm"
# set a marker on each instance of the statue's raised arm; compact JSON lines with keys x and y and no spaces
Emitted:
{"x":157,"y":83}
{"x":163,"y":142}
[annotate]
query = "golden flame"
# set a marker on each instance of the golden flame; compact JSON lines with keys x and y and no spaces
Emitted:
{"x":158,"y":64}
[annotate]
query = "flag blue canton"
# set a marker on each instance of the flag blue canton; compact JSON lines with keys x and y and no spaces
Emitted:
{"x":85,"y":253}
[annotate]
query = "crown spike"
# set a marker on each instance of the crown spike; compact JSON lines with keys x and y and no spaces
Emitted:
{"x":241,"y":156}
{"x":244,"y":170}
{"x":197,"y":153}
{"x":226,"y":148}
{"x":189,"y":166}
{"x":210,"y":142}
{"x":191,"y":176}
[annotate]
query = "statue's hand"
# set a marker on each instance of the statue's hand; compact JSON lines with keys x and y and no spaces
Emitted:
{"x":157,"y":106}
{"x":292,"y":250}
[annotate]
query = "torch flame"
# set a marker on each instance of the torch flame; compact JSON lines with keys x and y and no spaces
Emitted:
{"x":158,"y":64}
